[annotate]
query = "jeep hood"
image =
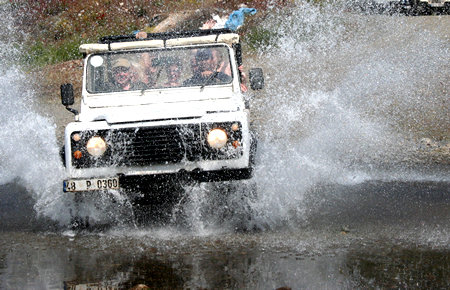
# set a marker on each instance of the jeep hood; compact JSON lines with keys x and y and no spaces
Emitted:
{"x":147,"y":109}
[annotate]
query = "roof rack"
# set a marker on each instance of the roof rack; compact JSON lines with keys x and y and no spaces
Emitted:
{"x":163,"y":35}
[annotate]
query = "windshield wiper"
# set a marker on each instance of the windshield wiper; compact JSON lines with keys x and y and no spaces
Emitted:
{"x":211,"y":77}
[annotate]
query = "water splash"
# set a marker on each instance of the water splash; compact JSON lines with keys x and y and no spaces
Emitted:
{"x":348,"y":98}
{"x":29,"y":151}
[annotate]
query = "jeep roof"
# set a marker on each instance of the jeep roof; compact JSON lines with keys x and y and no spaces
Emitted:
{"x":161,"y":40}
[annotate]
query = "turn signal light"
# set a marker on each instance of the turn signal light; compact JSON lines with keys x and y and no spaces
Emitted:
{"x":76,"y":137}
{"x":235,"y":127}
{"x":77,"y":154}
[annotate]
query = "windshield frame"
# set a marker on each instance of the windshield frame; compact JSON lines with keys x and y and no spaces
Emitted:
{"x":99,"y":65}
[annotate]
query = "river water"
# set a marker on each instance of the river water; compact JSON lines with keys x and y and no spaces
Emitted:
{"x":352,"y":176}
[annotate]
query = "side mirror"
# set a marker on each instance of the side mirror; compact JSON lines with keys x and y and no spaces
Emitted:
{"x":67,"y":97}
{"x":67,"y":94}
{"x":256,"y":78}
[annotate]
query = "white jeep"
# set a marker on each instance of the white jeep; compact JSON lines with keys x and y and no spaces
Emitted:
{"x":419,"y":7}
{"x":171,"y":105}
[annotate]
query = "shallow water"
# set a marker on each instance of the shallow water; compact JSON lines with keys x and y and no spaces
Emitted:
{"x":375,"y":234}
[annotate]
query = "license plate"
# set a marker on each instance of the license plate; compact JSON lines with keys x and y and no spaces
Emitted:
{"x":91,"y":184}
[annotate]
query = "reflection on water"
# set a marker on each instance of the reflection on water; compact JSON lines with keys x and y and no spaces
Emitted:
{"x":53,"y":261}
{"x":400,"y":240}
{"x":392,"y":266}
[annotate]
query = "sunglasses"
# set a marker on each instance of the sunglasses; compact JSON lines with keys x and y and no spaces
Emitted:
{"x":121,"y":69}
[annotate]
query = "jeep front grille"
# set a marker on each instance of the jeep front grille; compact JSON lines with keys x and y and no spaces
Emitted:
{"x":141,"y":146}
{"x":144,"y":146}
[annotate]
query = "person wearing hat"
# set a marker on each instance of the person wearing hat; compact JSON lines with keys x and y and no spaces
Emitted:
{"x":123,"y":76}
{"x":206,"y":70}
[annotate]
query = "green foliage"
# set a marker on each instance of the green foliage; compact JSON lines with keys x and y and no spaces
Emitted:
{"x":41,"y":53}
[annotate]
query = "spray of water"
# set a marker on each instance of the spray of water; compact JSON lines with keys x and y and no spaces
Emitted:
{"x":348,"y":98}
{"x":29,"y":154}
{"x":28,"y":151}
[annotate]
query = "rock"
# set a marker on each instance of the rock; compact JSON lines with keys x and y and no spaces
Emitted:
{"x":427,"y":142}
{"x":140,"y":287}
{"x":345,"y":229}
{"x":184,"y":20}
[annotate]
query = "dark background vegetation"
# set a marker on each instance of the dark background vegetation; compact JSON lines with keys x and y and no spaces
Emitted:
{"x":54,"y":29}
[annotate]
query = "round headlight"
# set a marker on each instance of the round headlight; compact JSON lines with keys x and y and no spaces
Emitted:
{"x":96,"y":146}
{"x":217,"y":138}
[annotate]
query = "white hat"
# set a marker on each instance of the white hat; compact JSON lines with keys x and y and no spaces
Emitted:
{"x":121,"y":62}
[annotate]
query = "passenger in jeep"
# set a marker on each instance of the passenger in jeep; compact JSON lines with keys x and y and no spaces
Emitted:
{"x":151,"y":70}
{"x":219,"y":61}
{"x":123,"y":77}
{"x":173,"y":70}
{"x":206,"y":70}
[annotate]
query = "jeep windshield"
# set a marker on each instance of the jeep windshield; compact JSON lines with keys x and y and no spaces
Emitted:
{"x":158,"y":69}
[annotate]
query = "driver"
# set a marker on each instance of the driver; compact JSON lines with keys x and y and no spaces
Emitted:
{"x":206,"y":70}
{"x":123,"y":77}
